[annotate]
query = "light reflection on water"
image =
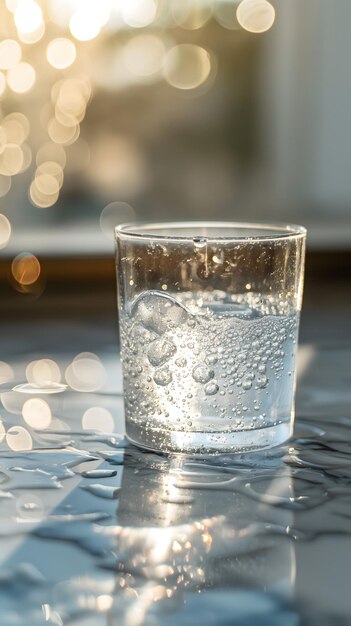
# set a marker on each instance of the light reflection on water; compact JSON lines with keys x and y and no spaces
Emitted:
{"x":96,"y":532}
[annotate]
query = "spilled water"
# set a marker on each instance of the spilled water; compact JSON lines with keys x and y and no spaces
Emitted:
{"x":95,"y":532}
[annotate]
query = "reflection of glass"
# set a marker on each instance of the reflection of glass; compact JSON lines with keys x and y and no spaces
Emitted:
{"x":187,"y":528}
{"x":209,"y":317}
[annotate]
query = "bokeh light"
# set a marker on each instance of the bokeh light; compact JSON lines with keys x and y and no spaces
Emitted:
{"x":18,"y":439}
{"x":11,"y":159}
{"x":34,"y":36}
{"x":46,"y":194}
{"x":61,"y":133}
{"x":16,"y":127}
{"x":86,"y":373}
{"x":43,"y":372}
{"x":104,"y":603}
{"x":28,"y":16}
{"x":191,"y":15}
{"x":113,"y":214}
{"x":25,"y":268}
{"x":10,"y":53}
{"x":138,"y":13}
{"x":71,"y":95}
{"x":27,"y":157}
{"x":6,"y":373}
{"x":256,"y":16}
{"x":5,"y":185}
{"x":187,"y":66}
{"x":37,"y":413}
{"x":61,"y":53}
{"x":99,"y":419}
{"x":86,"y":22}
{"x":12,"y":5}
{"x":5,"y":231}
{"x":144,"y":55}
{"x":2,"y":83}
{"x":51,"y":168}
{"x":21,"y":77}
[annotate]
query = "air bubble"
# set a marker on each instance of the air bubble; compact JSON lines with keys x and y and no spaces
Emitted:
{"x":181,"y":362}
{"x":163,"y":377}
{"x":262,"y":381}
{"x":211,"y":388}
{"x":202,"y":374}
{"x":211,"y":359}
{"x":160,"y":352}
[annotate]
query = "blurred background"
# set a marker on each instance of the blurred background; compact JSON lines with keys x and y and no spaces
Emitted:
{"x":115,"y":110}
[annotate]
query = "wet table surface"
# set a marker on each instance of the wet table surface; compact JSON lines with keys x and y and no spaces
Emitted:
{"x":94,"y":532}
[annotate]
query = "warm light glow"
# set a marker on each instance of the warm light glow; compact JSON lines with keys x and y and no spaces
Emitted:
{"x":2,"y":83}
{"x":113,"y":214}
{"x":144,"y":55}
{"x":5,"y":234}
{"x":11,"y":159}
{"x":191,"y":15}
{"x":12,"y":5}
{"x":256,"y":16}
{"x":86,"y":373}
{"x":138,"y":13}
{"x":71,"y":96}
{"x":18,"y":439}
{"x":47,"y":184}
{"x":84,"y":25}
{"x":25,"y":268}
{"x":51,"y":152}
{"x":36,"y":413}
{"x":43,"y":372}
{"x":61,"y":53}
{"x":62,"y":134}
{"x":34,"y":36}
{"x":16,"y":127}
{"x":5,"y":185}
{"x":6,"y":371}
{"x":99,"y":419}
{"x":21,"y":78}
{"x":27,"y":157}
{"x":187,"y":66}
{"x":28,"y":16}
{"x":10,"y":53}
{"x":42,"y":199}
{"x":52,"y":169}
{"x":104,"y":603}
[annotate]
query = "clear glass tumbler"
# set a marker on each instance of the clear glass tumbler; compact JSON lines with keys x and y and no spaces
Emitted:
{"x":209,"y":318}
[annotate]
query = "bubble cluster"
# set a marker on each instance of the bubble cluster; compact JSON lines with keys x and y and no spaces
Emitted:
{"x":197,"y":359}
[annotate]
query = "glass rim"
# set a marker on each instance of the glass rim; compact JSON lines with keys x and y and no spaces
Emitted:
{"x":153,"y":230}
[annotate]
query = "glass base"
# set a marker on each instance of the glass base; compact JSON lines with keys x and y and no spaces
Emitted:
{"x":208,"y":442}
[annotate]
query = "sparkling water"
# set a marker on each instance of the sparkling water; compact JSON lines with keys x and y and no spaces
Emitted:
{"x":208,"y":371}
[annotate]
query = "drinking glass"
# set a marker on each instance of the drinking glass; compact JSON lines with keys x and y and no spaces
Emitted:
{"x":209,"y":318}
